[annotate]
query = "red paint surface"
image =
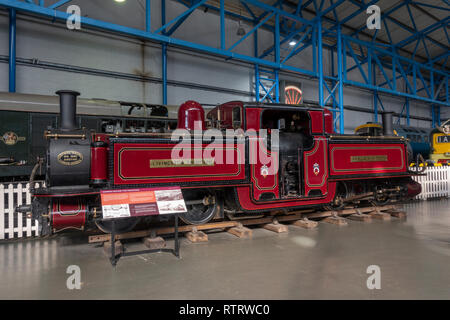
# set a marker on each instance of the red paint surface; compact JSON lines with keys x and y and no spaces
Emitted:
{"x":68,"y":214}
{"x":268,"y":183}
{"x":413,"y":189}
{"x":190,"y":114}
{"x":100,"y":137}
{"x":316,"y":167}
{"x":99,"y":163}
{"x":247,"y":203}
{"x":341,"y":164}
{"x":253,"y":118}
{"x":316,"y":121}
{"x":328,"y":119}
{"x":132,"y":165}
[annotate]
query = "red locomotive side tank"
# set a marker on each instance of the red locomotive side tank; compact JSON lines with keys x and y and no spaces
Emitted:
{"x":99,"y":162}
{"x":189,"y":113}
{"x":328,"y":119}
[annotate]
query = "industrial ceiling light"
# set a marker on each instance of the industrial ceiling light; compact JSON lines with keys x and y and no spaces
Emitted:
{"x":240,"y":31}
{"x":293,"y":43}
{"x":120,"y":1}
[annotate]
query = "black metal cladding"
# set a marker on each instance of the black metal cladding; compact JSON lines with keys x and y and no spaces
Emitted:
{"x":68,"y":109}
{"x":69,"y":162}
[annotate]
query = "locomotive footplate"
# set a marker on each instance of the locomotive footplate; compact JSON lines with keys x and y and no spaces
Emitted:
{"x":114,"y":258}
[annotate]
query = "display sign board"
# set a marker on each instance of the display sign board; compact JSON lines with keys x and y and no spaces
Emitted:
{"x":142,"y":202}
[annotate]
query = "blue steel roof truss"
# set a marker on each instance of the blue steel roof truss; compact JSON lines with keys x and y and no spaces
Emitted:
{"x":425,"y":76}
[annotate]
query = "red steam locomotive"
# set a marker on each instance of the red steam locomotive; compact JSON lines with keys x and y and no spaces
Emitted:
{"x":218,"y":173}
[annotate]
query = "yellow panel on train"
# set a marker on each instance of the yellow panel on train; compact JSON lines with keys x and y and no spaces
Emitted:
{"x":440,"y":143}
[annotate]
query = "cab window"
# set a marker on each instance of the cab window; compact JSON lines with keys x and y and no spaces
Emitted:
{"x":286,"y":121}
{"x":237,"y":117}
{"x":289,"y":123}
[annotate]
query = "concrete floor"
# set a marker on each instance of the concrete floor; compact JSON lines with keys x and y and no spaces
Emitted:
{"x":327,"y":263}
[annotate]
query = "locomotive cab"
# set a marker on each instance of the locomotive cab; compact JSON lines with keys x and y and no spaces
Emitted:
{"x":294,"y":138}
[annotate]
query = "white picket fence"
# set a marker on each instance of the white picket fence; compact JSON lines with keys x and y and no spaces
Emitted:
{"x":435,"y":183}
{"x":15,"y":225}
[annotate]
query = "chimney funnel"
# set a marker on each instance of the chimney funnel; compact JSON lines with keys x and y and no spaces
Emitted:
{"x":387,"y":123}
{"x":68,"y":109}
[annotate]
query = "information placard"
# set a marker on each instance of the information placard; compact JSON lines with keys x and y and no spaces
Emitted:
{"x":142,"y":202}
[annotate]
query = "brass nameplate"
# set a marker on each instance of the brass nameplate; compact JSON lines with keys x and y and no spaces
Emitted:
{"x":369,"y":158}
{"x":70,"y":158}
{"x":169,"y":163}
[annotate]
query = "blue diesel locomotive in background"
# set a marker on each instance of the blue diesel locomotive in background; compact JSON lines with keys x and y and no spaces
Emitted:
{"x":419,"y":138}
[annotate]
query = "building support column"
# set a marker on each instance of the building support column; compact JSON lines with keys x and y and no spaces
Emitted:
{"x":12,"y":50}
{"x":256,"y":53}
{"x":164,"y":55}
{"x":340,"y":57}
{"x":277,"y":57}
{"x":408,"y":121}
{"x":148,"y":16}
{"x":320,"y":61}
{"x":164,"y":72}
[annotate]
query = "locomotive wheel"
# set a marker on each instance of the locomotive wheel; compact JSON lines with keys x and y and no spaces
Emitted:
{"x":204,"y":206}
{"x":338,"y":201}
{"x":122,"y":225}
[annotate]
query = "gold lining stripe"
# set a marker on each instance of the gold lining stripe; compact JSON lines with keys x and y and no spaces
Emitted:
{"x":169,"y":163}
{"x":166,"y":177}
{"x":275,"y":176}
{"x":366,"y":169}
{"x":381,"y":157}
{"x":325,"y":175}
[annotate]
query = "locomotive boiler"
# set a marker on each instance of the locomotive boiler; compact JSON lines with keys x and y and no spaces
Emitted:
{"x":309,"y":166}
